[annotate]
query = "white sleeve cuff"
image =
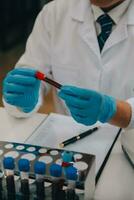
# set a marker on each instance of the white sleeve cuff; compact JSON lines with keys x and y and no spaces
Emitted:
{"x":18,"y":113}
{"x":131,"y":123}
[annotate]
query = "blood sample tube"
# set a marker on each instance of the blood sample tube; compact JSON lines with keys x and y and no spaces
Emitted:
{"x":41,"y":76}
{"x":67,"y":158}
{"x":57,"y":182}
{"x":24,"y":167}
{"x":40,"y":169}
{"x":71,"y":175}
{"x":9,"y":166}
{"x":1,"y":184}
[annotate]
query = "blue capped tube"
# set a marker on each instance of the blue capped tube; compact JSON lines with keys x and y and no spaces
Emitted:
{"x":1,"y":183}
{"x":71,"y":175}
{"x":56,"y":170}
{"x":24,"y":168}
{"x":9,"y":165}
{"x":57,"y":182}
{"x":40,"y":170}
{"x":67,"y":158}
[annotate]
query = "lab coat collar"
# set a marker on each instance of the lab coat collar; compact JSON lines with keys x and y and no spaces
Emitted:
{"x":115,"y":14}
{"x":130,"y":14}
{"x":121,"y":32}
{"x":83,"y":14}
{"x":79,"y":9}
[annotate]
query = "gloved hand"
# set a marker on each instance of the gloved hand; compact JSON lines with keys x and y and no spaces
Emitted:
{"x":21,"y":88}
{"x":88,"y":106}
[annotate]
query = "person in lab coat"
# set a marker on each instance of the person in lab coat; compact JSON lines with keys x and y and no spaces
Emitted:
{"x":98,"y":84}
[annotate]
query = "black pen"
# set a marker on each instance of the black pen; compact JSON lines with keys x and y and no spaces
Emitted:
{"x":78,"y":137}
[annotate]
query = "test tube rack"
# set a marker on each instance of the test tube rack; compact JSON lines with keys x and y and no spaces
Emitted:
{"x":84,"y":163}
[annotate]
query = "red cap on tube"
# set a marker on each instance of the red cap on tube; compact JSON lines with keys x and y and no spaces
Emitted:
{"x":40,"y":75}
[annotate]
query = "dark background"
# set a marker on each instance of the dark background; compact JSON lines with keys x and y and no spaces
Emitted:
{"x":16,"y":22}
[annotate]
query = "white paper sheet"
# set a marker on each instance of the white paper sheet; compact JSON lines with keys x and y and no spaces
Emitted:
{"x":57,"y":128}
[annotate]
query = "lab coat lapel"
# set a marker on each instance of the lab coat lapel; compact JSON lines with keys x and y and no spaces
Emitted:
{"x":121,"y":31}
{"x":119,"y":34}
{"x":83,"y":14}
{"x":88,"y":34}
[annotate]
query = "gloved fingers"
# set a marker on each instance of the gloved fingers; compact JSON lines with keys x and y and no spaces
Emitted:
{"x":77,"y":111}
{"x":87,"y":107}
{"x":83,"y":120}
{"x":75,"y":91}
{"x":15,"y":101}
{"x":24,"y":71}
{"x":71,"y":105}
{"x":74,"y":101}
{"x":12,"y":99}
{"x":19,"y":101}
{"x":27,"y":109}
{"x":21,"y":80}
{"x":14,"y":88}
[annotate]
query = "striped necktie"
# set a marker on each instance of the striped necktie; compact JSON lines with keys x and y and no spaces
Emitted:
{"x":106,"y":24}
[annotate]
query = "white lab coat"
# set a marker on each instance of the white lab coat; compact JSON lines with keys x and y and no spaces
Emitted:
{"x":64,"y":43}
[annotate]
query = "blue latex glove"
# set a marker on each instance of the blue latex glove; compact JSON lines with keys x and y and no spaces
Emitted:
{"x":21,"y":88}
{"x":88,"y":106}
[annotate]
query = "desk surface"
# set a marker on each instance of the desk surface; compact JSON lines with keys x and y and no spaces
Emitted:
{"x":117,"y":179}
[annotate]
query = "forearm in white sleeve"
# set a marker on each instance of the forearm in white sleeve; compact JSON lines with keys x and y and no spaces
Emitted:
{"x":127,"y":136}
{"x":18,"y":113}
{"x":37,"y":56}
{"x":131,"y":123}
{"x":38,"y":48}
